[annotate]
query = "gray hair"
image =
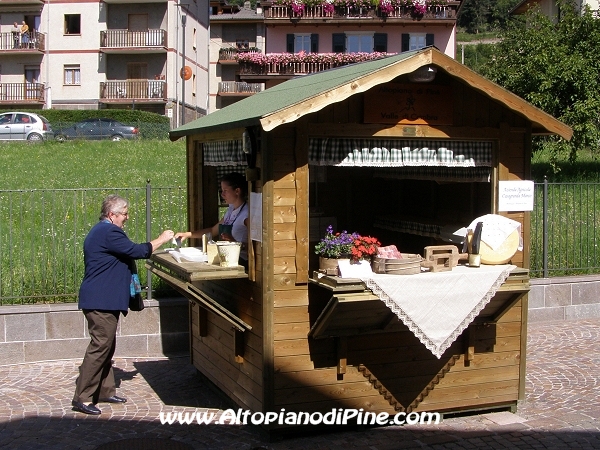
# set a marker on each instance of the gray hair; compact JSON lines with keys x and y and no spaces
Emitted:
{"x":113,"y":204}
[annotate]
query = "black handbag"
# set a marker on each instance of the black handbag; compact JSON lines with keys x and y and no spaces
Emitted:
{"x":136,"y":302}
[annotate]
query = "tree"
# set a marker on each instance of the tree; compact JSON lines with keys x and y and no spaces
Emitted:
{"x":555,"y":67}
{"x":484,"y":15}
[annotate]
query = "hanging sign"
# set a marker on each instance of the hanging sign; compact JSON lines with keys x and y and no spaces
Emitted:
{"x":409,"y":104}
{"x":186,"y":72}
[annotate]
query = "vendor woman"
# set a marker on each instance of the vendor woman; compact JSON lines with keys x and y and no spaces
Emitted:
{"x":234,"y":225}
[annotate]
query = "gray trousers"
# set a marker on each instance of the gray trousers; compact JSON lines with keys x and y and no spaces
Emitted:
{"x":96,"y":378}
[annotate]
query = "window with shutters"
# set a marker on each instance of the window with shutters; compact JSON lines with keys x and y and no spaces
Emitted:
{"x":72,"y":75}
{"x":359,"y":42}
{"x":302,"y":43}
{"x":416,"y":41}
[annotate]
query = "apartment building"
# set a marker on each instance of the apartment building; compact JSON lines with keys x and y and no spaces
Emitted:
{"x":301,"y":37}
{"x":150,"y":55}
{"x":233,"y":30}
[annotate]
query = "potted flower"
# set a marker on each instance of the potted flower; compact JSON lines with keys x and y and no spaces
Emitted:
{"x":364,"y":247}
{"x":335,"y":245}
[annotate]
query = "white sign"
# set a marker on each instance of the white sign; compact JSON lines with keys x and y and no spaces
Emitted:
{"x":359,"y":269}
{"x":169,"y":113}
{"x":256,"y":216}
{"x":515,"y":196}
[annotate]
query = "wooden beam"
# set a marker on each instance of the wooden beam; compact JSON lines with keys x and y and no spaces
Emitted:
{"x":316,"y":103}
{"x":302,"y":213}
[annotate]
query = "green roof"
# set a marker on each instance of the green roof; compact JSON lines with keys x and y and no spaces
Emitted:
{"x":288,"y":101}
{"x":249,"y":111}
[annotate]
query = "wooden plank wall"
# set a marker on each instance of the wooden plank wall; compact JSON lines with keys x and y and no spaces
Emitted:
{"x":304,"y":371}
{"x":213,"y":348}
{"x":213,"y":354}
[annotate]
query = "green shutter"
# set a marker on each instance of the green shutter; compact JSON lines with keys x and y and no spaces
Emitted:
{"x":339,"y":42}
{"x":405,"y":42}
{"x":429,"y":39}
{"x":380,"y":42}
{"x":314,"y":43}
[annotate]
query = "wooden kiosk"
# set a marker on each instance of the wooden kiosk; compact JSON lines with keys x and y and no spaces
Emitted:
{"x":319,"y":150}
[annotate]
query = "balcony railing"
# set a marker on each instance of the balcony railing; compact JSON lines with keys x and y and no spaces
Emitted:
{"x":447,"y":11}
{"x":22,"y":93}
{"x":238,"y":88}
{"x":35,"y":41}
{"x":129,"y":39}
{"x":230,"y":54}
{"x":290,"y":64}
{"x":133,"y":90}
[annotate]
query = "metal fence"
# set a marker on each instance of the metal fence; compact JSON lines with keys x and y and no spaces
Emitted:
{"x":42,"y":233}
{"x":565,"y":228}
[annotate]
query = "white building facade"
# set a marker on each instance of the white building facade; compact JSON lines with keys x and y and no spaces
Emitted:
{"x":150,"y":55}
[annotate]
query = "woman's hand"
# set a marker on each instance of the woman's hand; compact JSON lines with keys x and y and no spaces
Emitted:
{"x":183,"y":235}
{"x":164,"y":237}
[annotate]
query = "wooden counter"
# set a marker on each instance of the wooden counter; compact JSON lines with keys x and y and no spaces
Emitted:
{"x":190,"y":271}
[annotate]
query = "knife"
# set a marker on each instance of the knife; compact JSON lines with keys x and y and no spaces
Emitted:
{"x":477,"y":237}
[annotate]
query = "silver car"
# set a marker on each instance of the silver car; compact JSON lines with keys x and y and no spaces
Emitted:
{"x":24,"y":126}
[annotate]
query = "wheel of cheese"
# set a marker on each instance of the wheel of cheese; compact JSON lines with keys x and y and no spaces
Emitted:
{"x":503,"y":253}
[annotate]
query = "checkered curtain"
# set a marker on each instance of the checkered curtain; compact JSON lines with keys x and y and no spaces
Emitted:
{"x":224,"y":153}
{"x":399,"y":153}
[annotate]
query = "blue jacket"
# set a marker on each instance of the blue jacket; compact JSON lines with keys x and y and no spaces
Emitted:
{"x":109,"y":255}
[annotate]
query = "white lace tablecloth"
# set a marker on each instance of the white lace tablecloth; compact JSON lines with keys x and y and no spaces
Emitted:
{"x":437,"y":307}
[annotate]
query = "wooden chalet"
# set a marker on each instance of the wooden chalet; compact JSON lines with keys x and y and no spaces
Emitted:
{"x":316,"y":152}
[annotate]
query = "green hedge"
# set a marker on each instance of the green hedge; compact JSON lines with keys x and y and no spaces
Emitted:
{"x":151,"y":125}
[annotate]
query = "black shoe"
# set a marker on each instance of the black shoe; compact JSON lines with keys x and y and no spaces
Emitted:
{"x":113,"y":399}
{"x":86,"y":409}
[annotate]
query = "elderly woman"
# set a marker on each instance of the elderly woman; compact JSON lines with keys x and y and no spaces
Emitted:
{"x":234,"y":225}
{"x":104,"y":294}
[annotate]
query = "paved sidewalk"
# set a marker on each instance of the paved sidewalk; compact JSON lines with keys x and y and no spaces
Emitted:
{"x":561,"y":411}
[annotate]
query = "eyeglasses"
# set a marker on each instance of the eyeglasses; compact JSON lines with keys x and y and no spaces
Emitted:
{"x":126,"y":213}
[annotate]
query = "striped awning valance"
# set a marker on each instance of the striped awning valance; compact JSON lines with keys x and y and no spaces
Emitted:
{"x":399,"y":153}
{"x":224,"y":153}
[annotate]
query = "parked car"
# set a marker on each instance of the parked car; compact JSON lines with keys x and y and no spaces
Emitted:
{"x":24,"y":126}
{"x":97,"y":129}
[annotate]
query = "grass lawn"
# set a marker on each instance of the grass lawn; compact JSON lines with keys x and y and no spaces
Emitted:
{"x":92,"y":164}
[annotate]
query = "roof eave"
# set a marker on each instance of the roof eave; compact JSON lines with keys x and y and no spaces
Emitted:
{"x":178,"y":133}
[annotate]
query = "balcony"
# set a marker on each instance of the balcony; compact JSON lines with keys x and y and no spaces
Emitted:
{"x":35,"y":44}
{"x":22,"y":93}
{"x":127,"y":91}
{"x":238,"y":89}
{"x":287,"y":65}
{"x":230,"y":55}
{"x":334,"y":14}
{"x":125,"y":41}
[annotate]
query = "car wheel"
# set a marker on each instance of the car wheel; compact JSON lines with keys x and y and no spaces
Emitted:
{"x":116,"y":137}
{"x":34,"y":137}
{"x":60,"y":138}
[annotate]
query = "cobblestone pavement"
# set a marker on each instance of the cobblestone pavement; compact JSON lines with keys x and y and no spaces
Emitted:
{"x":561,"y":410}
